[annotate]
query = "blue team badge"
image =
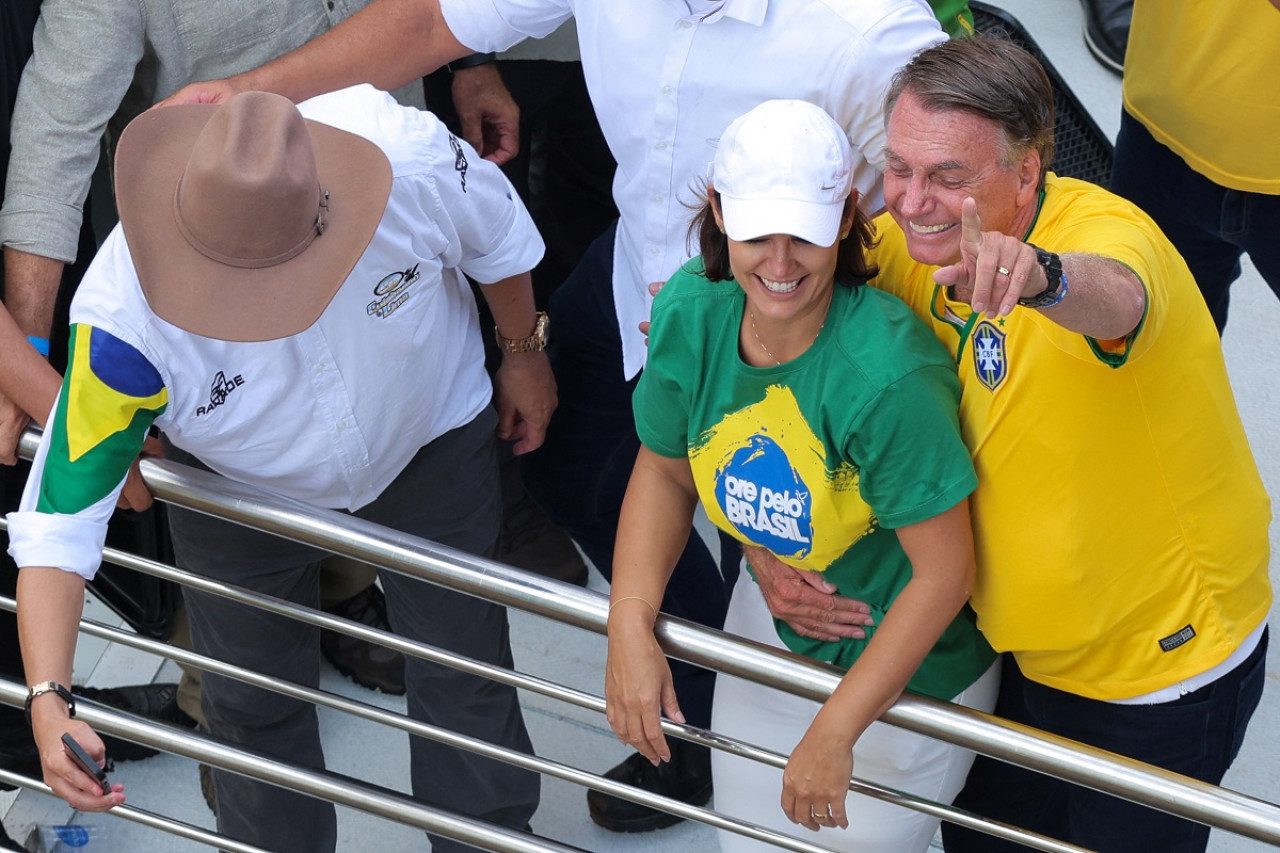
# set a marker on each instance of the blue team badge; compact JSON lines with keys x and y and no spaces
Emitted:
{"x":763,"y":496}
{"x":989,"y":359}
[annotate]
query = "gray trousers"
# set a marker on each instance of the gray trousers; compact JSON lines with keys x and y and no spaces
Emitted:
{"x":449,"y":494}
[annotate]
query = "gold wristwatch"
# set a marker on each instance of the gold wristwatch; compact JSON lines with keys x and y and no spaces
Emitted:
{"x":536,"y":342}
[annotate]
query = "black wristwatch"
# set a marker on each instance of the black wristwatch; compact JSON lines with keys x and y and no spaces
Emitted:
{"x":1056,"y":290}
{"x":471,"y":60}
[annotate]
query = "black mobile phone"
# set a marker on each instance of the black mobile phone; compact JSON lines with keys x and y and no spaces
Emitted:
{"x":86,"y":762}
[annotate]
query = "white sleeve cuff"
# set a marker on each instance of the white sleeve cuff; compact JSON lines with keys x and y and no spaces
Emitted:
{"x":58,"y":541}
{"x":484,"y":28}
{"x":520,"y":251}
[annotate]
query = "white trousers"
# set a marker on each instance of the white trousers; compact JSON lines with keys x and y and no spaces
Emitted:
{"x":885,"y":754}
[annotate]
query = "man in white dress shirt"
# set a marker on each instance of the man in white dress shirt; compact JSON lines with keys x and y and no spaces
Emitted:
{"x":284,"y":300}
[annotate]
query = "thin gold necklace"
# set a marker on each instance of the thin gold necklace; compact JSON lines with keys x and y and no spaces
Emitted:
{"x":752,"y":317}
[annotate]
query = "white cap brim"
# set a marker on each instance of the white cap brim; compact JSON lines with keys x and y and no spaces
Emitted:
{"x":815,"y":222}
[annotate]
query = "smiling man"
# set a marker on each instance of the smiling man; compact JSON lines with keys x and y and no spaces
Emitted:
{"x":1120,"y":522}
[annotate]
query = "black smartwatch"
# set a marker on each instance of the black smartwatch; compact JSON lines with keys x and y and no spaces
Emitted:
{"x":1056,"y":290}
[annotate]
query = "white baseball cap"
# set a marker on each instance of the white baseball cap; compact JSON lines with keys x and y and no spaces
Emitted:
{"x":783,"y":168}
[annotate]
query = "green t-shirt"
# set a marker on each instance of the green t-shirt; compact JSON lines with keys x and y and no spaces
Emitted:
{"x":819,"y":458}
{"x":954,"y":16}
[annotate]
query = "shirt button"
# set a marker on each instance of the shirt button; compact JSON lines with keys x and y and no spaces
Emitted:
{"x":653,"y":250}
{"x":319,"y":368}
{"x":341,"y":425}
{"x":330,"y":5}
{"x":657,"y":197}
{"x":661,"y":146}
{"x":666,"y":90}
{"x":686,"y":24}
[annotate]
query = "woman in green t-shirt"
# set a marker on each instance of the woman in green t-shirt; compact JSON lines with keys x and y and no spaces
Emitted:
{"x":817,"y":419}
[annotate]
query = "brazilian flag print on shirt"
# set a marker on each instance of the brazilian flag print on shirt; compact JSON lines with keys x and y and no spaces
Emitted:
{"x":761,"y":466}
{"x":110,"y":397}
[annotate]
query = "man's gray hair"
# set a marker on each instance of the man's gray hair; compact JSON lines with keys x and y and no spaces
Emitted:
{"x":990,"y":77}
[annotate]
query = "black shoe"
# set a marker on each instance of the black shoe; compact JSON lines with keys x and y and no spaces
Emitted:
{"x":18,"y":752}
{"x":686,"y":777}
{"x":367,"y":664}
{"x":1106,"y":30}
{"x":154,"y":701}
{"x":551,"y":554}
{"x":530,"y":541}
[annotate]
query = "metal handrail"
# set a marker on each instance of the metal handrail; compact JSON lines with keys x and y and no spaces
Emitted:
{"x":325,"y":784}
{"x":515,"y":679}
{"x":344,"y":534}
{"x":13,"y":693}
{"x":146,"y":818}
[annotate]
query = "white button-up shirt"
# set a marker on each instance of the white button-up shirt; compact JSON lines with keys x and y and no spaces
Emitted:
{"x":330,"y":415}
{"x":666,"y":82}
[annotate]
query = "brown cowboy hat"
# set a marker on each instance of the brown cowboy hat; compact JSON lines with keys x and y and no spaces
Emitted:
{"x":243,"y":219}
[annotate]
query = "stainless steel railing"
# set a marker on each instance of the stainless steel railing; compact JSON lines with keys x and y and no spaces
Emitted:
{"x":344,"y":534}
{"x":138,"y":731}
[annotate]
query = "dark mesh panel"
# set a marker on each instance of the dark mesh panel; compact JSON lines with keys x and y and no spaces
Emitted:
{"x":1081,"y":150}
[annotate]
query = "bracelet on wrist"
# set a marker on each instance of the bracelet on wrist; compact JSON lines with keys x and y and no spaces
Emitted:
{"x":471,"y":61}
{"x":535,"y":342}
{"x":41,"y":344}
{"x":643,"y":601}
{"x":49,"y":687}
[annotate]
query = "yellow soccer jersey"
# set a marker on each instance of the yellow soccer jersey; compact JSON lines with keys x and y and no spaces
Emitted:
{"x":1121,"y":523}
{"x":1202,"y":78}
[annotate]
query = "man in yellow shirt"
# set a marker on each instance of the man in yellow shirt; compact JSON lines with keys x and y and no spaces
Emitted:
{"x":1199,"y":97}
{"x":1120,"y":521}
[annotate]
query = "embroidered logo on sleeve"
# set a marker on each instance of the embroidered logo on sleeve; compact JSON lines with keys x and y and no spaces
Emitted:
{"x":459,"y":160}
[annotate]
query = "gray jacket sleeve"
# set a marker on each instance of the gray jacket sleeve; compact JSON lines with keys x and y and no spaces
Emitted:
{"x":85,"y":56}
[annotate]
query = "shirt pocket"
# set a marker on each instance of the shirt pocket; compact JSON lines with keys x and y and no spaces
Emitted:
{"x":228,"y":38}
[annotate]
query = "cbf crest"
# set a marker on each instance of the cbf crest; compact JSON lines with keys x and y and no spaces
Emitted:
{"x":990,"y":361}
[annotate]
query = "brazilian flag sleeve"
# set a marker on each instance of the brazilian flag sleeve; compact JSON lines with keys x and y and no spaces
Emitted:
{"x":110,"y":397}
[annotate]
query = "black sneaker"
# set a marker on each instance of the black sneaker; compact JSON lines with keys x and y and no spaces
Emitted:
{"x":367,"y":664}
{"x":1106,"y":30}
{"x":686,"y":777}
{"x":528,"y":540}
{"x":18,"y":752}
{"x":550,"y":553}
{"x":155,"y":701}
